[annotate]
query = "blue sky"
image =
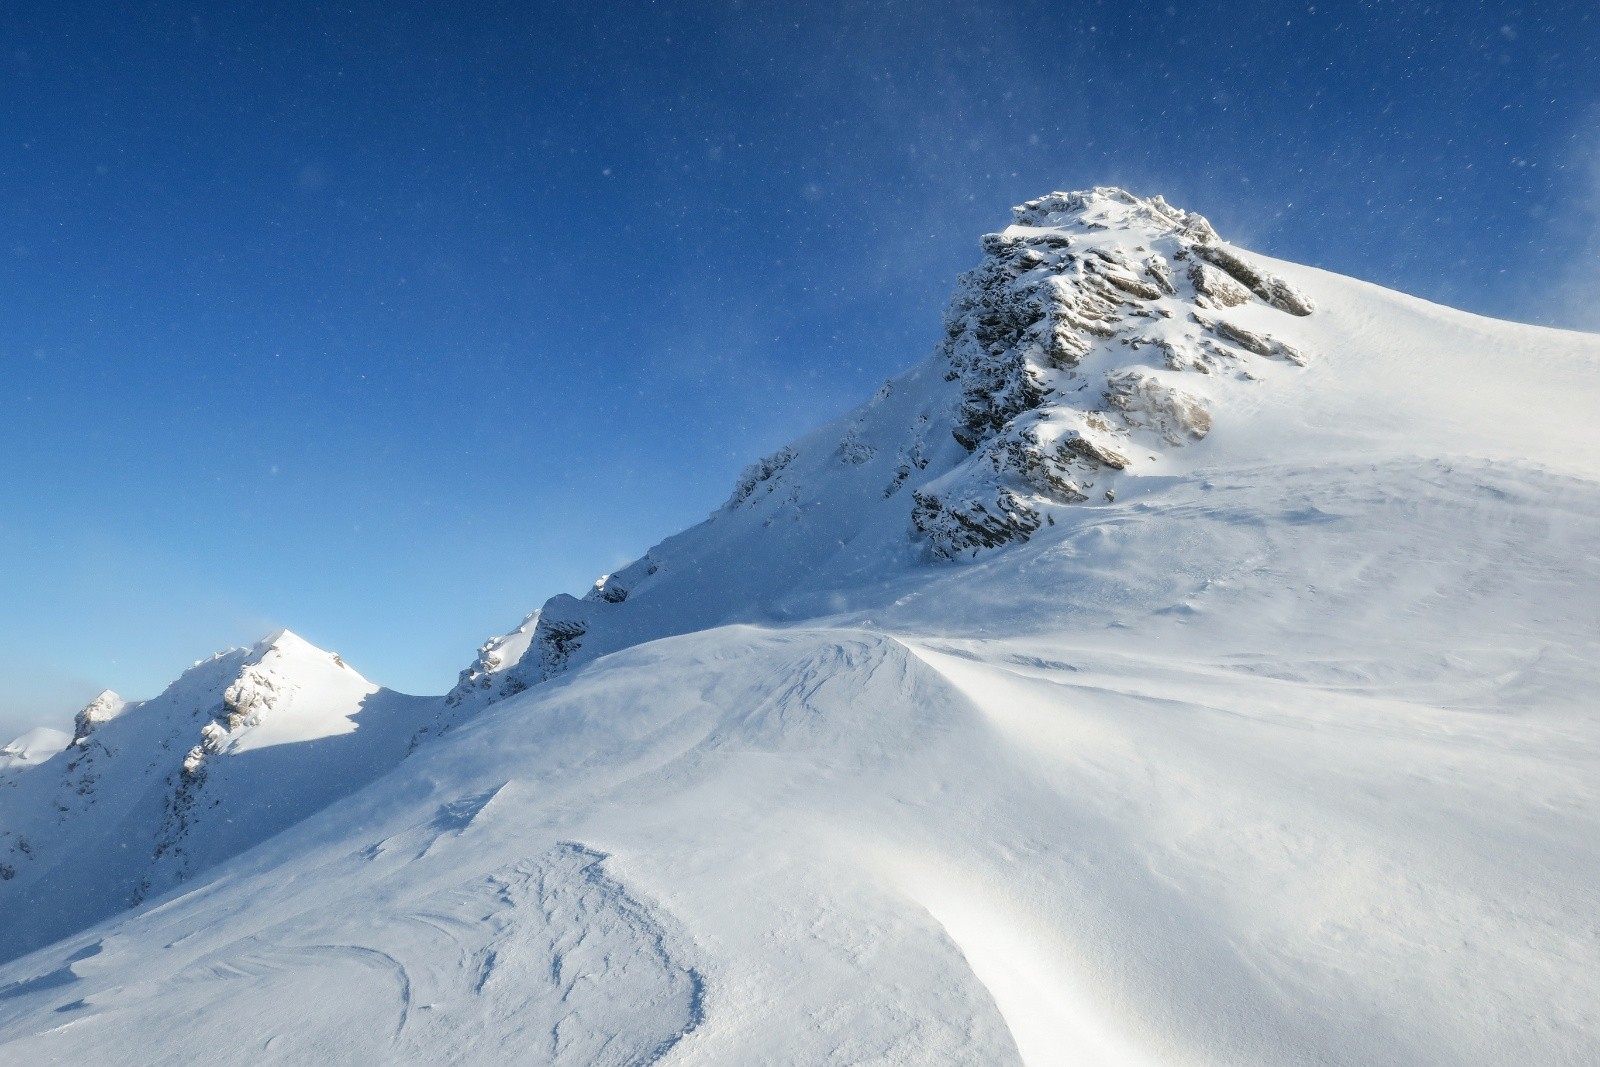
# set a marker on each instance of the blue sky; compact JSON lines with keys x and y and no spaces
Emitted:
{"x":386,"y":322}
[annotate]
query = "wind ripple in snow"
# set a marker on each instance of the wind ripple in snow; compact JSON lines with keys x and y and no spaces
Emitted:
{"x":548,"y":961}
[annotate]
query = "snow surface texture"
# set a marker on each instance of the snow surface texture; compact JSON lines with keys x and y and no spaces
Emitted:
{"x":1283,"y":751}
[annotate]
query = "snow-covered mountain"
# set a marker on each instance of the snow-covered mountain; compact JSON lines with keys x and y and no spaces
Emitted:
{"x":1189,"y":662}
{"x":142,"y":796}
{"x":37,"y":746}
{"x":1094,"y":339}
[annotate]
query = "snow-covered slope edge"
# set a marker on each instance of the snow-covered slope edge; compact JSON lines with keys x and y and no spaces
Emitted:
{"x":816,"y":844}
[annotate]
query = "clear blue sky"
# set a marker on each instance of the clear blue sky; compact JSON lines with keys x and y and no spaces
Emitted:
{"x":384,"y":322}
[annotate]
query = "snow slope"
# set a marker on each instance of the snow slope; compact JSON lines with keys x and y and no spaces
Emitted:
{"x":924,"y":749}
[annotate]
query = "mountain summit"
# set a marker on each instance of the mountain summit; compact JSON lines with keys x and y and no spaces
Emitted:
{"x":1191,"y":660}
{"x":148,"y":793}
{"x":1095,"y":337}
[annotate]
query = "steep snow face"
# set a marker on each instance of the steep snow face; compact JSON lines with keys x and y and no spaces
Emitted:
{"x":1093,"y":339}
{"x":147,"y":793}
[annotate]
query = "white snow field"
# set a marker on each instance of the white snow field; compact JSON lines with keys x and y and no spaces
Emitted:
{"x":926,"y":748}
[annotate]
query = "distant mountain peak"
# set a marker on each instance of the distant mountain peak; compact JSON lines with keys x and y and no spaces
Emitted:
{"x":266,"y":678}
{"x":243,"y":742}
{"x":32,"y":748}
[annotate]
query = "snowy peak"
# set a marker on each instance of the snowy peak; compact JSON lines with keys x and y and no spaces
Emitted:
{"x":280,"y":690}
{"x":241,"y":745}
{"x":1098,"y":334}
{"x":33,"y":748}
{"x":95,"y":714}
{"x":284,"y":690}
{"x":1107,"y":207}
{"x":289,"y":645}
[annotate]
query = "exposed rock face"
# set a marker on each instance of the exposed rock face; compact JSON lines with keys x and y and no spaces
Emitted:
{"x":759,"y":475}
{"x":562,"y":623}
{"x":953,"y":528}
{"x":99,"y":711}
{"x":1211,"y":284}
{"x":1275,"y":291}
{"x":86,"y":756}
{"x":1144,"y":401}
{"x":1078,"y":284}
{"x":543,"y":646}
{"x":250,"y":696}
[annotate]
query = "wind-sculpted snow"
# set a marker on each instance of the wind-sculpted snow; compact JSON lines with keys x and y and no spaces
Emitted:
{"x":516,"y":910}
{"x":546,"y":960}
{"x":1259,"y":833}
{"x":553,"y":959}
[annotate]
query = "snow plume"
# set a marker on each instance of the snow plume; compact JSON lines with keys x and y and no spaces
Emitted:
{"x":1578,"y":295}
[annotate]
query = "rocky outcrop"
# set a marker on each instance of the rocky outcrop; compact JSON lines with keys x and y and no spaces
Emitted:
{"x":99,"y":711}
{"x":1060,"y":342}
{"x":562,"y":623}
{"x":1146,"y":402}
{"x":758,"y":476}
{"x":486,"y":680}
{"x":1274,"y":290}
